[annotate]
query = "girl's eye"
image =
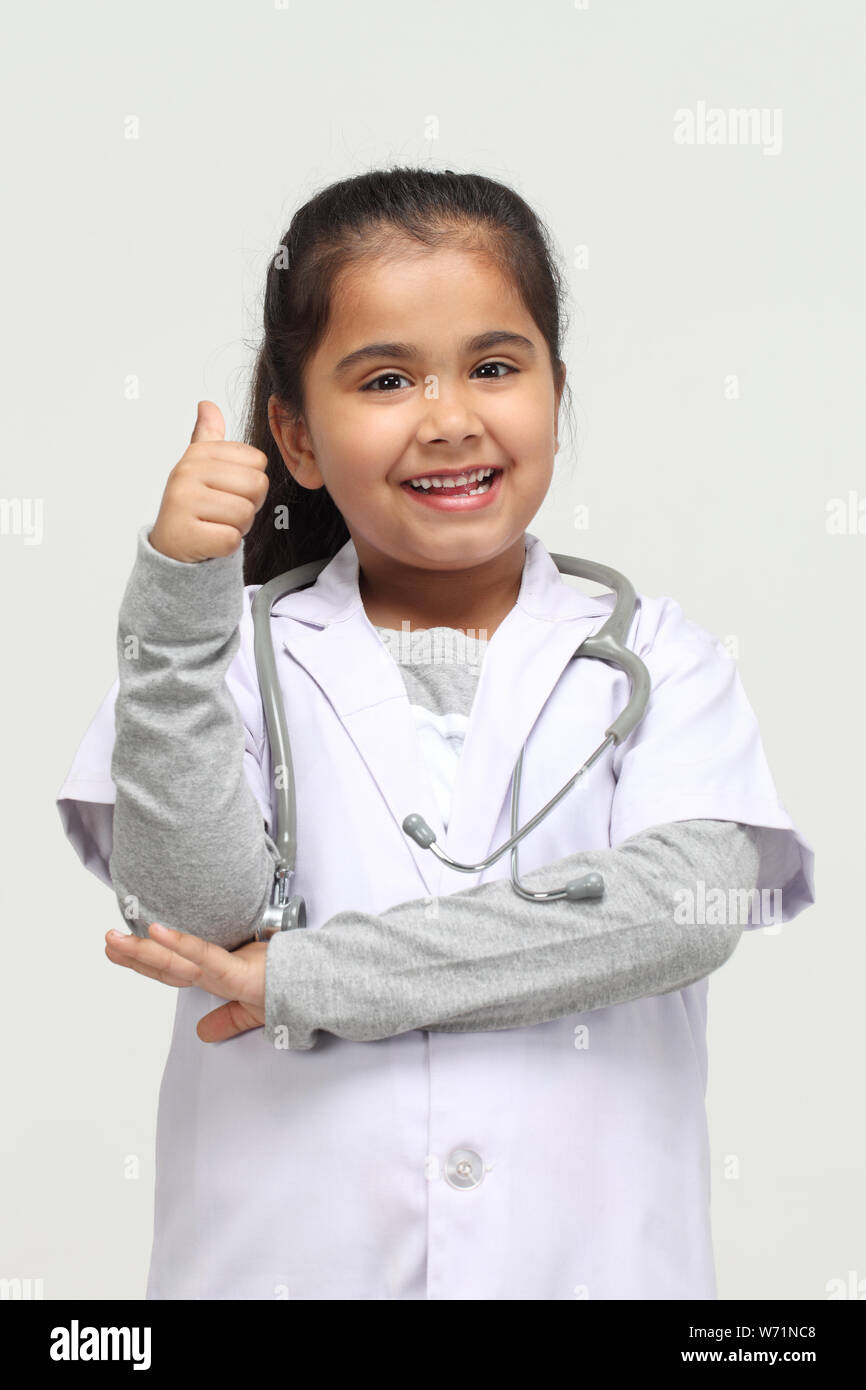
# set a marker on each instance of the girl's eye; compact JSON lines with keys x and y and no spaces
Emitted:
{"x":386,"y":376}
{"x":496,"y":364}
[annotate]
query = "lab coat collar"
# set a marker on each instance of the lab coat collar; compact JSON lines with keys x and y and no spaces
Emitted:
{"x":336,"y":594}
{"x":329,"y":634}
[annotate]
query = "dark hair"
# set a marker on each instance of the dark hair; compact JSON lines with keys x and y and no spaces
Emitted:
{"x":344,"y":223}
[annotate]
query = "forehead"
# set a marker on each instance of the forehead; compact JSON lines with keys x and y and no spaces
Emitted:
{"x":429,"y":297}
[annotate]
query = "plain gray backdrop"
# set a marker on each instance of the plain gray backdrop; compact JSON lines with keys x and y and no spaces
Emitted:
{"x":154,"y":155}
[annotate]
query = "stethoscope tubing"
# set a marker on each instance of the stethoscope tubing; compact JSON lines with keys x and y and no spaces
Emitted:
{"x":285,"y":912}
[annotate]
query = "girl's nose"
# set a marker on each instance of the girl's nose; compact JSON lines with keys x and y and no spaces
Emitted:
{"x":448,"y":415}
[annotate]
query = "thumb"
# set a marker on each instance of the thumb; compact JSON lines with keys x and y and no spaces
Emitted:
{"x":227,"y":1022}
{"x":209,"y":425}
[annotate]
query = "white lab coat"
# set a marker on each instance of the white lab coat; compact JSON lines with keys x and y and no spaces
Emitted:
{"x":322,"y":1174}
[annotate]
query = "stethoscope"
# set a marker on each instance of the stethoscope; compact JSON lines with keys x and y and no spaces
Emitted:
{"x":285,"y":913}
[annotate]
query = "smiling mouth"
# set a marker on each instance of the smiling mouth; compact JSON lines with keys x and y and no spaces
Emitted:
{"x":455,"y":501}
{"x":445,"y":488}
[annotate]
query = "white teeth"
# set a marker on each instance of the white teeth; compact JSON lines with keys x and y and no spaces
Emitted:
{"x":460,"y":480}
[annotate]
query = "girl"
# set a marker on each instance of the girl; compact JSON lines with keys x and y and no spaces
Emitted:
{"x":460,"y":1094}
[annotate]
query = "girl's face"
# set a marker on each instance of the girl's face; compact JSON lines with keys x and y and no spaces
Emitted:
{"x":397,"y":389}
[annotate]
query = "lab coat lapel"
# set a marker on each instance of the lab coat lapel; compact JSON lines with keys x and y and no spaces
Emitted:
{"x":523,"y":663}
{"x":332,"y":638}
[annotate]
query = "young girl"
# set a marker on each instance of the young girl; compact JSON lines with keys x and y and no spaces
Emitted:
{"x":457,"y":1093}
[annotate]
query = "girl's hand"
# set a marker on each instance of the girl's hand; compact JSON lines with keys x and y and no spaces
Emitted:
{"x":212,"y":495}
{"x":178,"y":958}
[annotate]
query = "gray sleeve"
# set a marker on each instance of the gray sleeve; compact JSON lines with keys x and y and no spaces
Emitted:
{"x":484,"y":958}
{"x":189,"y":845}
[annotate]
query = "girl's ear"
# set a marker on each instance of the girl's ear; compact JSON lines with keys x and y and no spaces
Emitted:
{"x":559,"y":387}
{"x":292,"y":440}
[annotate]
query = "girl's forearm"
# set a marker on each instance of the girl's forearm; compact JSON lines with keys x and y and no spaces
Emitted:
{"x":485,"y":959}
{"x":189,"y":846}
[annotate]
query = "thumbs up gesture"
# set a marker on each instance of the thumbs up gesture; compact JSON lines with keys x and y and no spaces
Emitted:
{"x":212,"y":495}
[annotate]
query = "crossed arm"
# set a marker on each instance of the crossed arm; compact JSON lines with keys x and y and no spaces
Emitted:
{"x":484,"y":958}
{"x":475,"y":964}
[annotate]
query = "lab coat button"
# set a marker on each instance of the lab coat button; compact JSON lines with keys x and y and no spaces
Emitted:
{"x":463,"y":1168}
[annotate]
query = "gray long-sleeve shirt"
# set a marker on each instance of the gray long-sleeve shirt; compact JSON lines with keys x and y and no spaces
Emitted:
{"x":190,"y":850}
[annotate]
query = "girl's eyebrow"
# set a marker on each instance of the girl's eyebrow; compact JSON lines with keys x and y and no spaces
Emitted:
{"x":482,"y":342}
